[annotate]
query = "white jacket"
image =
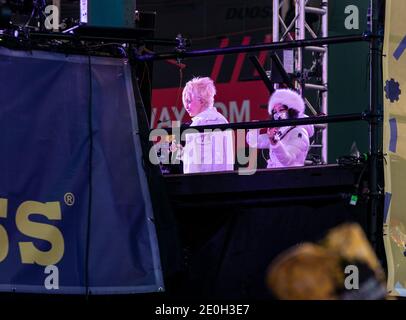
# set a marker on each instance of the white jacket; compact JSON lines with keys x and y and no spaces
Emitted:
{"x":208,"y":152}
{"x":290,"y":151}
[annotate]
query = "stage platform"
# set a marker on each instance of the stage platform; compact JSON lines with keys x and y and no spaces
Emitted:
{"x":232,"y":226}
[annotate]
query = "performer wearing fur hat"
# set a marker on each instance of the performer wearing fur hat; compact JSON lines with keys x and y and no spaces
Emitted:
{"x":288,"y":146}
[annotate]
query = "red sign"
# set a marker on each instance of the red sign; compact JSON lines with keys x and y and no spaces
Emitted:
{"x":237,"y":100}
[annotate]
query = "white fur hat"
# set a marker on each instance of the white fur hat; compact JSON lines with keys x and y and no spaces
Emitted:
{"x":287,"y":97}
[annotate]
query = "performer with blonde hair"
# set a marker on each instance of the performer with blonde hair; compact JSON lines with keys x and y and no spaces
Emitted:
{"x":209,"y":151}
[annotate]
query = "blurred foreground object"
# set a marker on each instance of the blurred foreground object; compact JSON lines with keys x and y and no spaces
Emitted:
{"x":343,"y":266}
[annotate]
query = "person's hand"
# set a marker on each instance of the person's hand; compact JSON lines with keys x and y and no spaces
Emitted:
{"x":273,"y":135}
{"x":272,"y":132}
{"x":175,"y":147}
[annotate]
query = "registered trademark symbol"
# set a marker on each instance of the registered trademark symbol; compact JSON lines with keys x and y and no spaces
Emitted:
{"x":69,"y":199}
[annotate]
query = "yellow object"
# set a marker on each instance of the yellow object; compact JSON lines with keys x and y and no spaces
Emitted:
{"x":319,"y":271}
{"x":394,"y":73}
{"x":350,"y":242}
{"x":306,"y":272}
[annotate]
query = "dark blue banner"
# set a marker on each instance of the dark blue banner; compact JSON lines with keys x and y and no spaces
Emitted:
{"x":75,"y":212}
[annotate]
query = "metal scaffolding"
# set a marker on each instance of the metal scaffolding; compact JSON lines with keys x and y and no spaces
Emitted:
{"x":307,"y":77}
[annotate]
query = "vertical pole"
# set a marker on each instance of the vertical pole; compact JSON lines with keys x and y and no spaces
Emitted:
{"x":275,"y":30}
{"x":300,"y":35}
{"x":375,"y":125}
{"x":324,"y":103}
{"x":275,"y":21}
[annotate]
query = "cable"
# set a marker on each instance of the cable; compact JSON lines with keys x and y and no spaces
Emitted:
{"x":146,"y":70}
{"x":30,"y":18}
{"x":264,"y":156}
{"x":90,"y":123}
{"x":143,"y":73}
{"x":360,"y":177}
{"x":180,"y":86}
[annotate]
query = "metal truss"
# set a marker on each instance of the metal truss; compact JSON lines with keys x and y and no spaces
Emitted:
{"x":314,"y":77}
